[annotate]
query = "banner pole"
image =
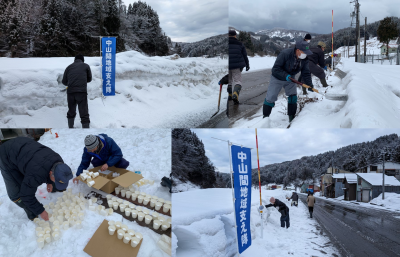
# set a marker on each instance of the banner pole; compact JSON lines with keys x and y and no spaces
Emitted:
{"x":233,"y":196}
{"x":332,"y":39}
{"x":259,"y":185}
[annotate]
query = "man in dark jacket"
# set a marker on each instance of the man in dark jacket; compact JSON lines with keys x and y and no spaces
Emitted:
{"x":105,"y":153}
{"x":288,"y":63}
{"x":237,"y":61}
{"x":283,"y":209}
{"x":25,"y":165}
{"x":76,"y":77}
{"x":295,"y":199}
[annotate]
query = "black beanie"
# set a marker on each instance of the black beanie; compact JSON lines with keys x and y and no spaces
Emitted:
{"x":308,"y":36}
{"x":80,"y":57}
{"x":232,"y":32}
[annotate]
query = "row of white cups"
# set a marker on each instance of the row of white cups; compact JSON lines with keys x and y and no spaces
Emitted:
{"x":124,"y":233}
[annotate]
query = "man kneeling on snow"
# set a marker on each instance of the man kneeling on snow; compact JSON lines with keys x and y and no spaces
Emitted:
{"x":283,"y":209}
{"x":105,"y":153}
{"x":25,"y":165}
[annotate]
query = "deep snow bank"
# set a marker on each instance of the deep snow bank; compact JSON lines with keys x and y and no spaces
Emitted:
{"x":150,"y":91}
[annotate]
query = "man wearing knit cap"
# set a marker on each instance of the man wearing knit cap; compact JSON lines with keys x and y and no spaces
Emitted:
{"x":237,"y":61}
{"x":25,"y":165}
{"x":101,"y":150}
{"x":307,"y":38}
{"x":76,"y":77}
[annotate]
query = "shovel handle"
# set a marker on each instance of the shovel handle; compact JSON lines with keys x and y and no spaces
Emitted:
{"x":219,"y":98}
{"x":304,"y":85}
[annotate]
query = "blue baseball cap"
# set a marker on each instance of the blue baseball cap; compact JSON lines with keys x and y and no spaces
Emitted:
{"x":303,"y":46}
{"x":62,"y":175}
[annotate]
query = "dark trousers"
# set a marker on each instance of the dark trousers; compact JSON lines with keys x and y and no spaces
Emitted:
{"x":81,"y":100}
{"x":310,"y":210}
{"x":122,"y":164}
{"x":285,"y":219}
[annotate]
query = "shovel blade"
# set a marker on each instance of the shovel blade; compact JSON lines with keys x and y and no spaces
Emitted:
{"x":215,"y":114}
{"x":337,"y":97}
{"x":341,"y":74}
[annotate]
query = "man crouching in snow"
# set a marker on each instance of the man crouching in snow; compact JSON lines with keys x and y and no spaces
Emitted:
{"x":105,"y":153}
{"x":283,"y":209}
{"x":25,"y":165}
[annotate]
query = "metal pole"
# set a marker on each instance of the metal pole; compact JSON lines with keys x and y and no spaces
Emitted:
{"x":357,"y":23}
{"x":383,"y":177}
{"x":332,"y":41}
{"x":233,"y":195}
{"x":358,"y":20}
{"x":259,"y":185}
{"x":365,"y":40}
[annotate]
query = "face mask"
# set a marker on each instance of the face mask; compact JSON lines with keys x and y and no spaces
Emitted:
{"x":308,"y":41}
{"x":302,"y":56}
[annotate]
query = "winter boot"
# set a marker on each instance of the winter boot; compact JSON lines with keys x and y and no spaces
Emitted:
{"x":229,"y":89}
{"x":85,"y":125}
{"x":267,"y":109}
{"x":71,"y":123}
{"x":323,"y":82}
{"x":30,"y":214}
{"x":236,"y":92}
{"x":304,"y":91}
{"x":292,"y":107}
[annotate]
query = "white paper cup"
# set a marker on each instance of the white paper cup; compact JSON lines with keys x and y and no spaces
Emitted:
{"x":60,"y":218}
{"x":169,"y":221}
{"x":146,"y":211}
{"x":166,"y":208}
{"x":154,"y":215}
{"x":39,"y":231}
{"x":56,"y":235}
{"x":120,"y":201}
{"x":127,"y":212}
{"x":134,"y":241}
{"x":165,"y":225}
{"x":47,"y":230}
{"x":111,"y":230}
{"x":127,"y":238}
{"x":137,"y":192}
{"x":109,"y":197}
{"x":146,"y":201}
{"x":143,"y":193}
{"x":158,"y":206}
{"x":40,"y":242}
{"x":117,"y":190}
{"x":156,"y":224}
{"x":133,"y":197}
{"x":115,"y":205}
{"x":168,"y":202}
{"x":132,"y":206}
{"x":153,"y":202}
{"x":114,"y":199}
{"x":161,"y":219}
{"x":124,"y":227}
{"x":128,"y":194}
{"x":110,"y":211}
{"x":110,"y":203}
{"x":78,"y":224}
{"x":120,"y":233}
{"x":148,"y":219}
{"x":90,"y":202}
{"x":140,"y":216}
{"x":92,"y":208}
{"x":65,"y":225}
{"x":122,"y":207}
{"x":118,"y":224}
{"x":131,"y":232}
{"x":140,"y":198}
{"x":123,"y":192}
{"x":139,"y":236}
{"x":111,"y":223}
{"x":134,"y":214}
{"x":139,"y":209}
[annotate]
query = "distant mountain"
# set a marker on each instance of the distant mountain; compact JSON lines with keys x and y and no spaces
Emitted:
{"x":284,"y":33}
{"x":211,"y":46}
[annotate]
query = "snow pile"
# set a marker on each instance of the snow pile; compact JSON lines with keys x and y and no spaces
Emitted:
{"x":259,"y":63}
{"x":146,"y":150}
{"x":373,"y":101}
{"x":203,"y":225}
{"x":179,"y":186}
{"x":392,"y":200}
{"x":158,"y":91}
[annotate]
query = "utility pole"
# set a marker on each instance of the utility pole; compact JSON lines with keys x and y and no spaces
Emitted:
{"x":357,"y":30}
{"x":365,"y":40}
{"x":383,"y":177}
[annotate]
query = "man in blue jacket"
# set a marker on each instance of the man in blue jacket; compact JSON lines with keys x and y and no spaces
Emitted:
{"x":25,"y":165}
{"x":101,"y":150}
{"x":288,"y":63}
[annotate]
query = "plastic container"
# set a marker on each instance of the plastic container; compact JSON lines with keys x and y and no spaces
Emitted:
{"x":158,"y":206}
{"x":166,"y":208}
{"x":114,"y":199}
{"x":118,"y":224}
{"x":123,"y":192}
{"x":156,"y":224}
{"x":120,"y":201}
{"x":56,"y":235}
{"x":40,"y":242}
{"x":139,"y":209}
{"x":146,"y":211}
{"x":109,"y":203}
{"x":127,"y":238}
{"x":124,"y":227}
{"x":120,"y":233}
{"x":135,"y":241}
{"x":153,"y":202}
{"x":110,"y":211}
{"x":131,"y":232}
{"x":39,"y":231}
{"x":134,"y":214}
{"x":155,"y":215}
{"x":111,"y":223}
{"x":146,"y":201}
{"x":126,"y":202}
{"x":139,"y":236}
{"x":134,"y":196}
{"x":117,"y":190}
{"x":141,"y":216}
{"x":165,"y":225}
{"x":137,"y":192}
{"x":128,"y":194}
{"x":132,"y":206}
{"x":161,"y":218}
{"x":47,"y":230}
{"x":122,"y":207}
{"x":47,"y":238}
{"x":127,"y":212}
{"x":115,"y":205}
{"x":148,"y":219}
{"x":111,"y":230}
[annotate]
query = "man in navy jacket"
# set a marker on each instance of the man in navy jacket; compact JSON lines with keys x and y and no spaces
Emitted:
{"x":101,"y":150}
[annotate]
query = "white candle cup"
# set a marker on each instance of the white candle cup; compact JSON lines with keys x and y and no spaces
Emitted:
{"x":47,"y":238}
{"x":139,"y":209}
{"x":78,"y":224}
{"x":82,"y":206}
{"x":138,"y":236}
{"x":154,"y":197}
{"x":109,"y":203}
{"x":47,"y":230}
{"x":153,"y":202}
{"x":132,"y":206}
{"x":96,"y":174}
{"x":168,"y":202}
{"x":56,"y":223}
{"x":99,"y":208}
{"x":60,"y":218}
{"x":156,"y":224}
{"x":118,"y":224}
{"x":120,"y":201}
{"x":56,"y":235}
{"x":146,"y":211}
{"x":143,"y":193}
{"x":94,"y":199}
{"x":110,"y":211}
{"x":158,"y":206}
{"x":51,"y":205}
{"x":115,"y":205}
{"x":122,"y":207}
{"x":41,"y":223}
{"x":131,"y":232}
{"x":114,"y":199}
{"x":161,"y":219}
{"x":134,"y":214}
{"x":134,"y":196}
{"x":128,"y":194}
{"x":127,"y":238}
{"x":151,"y":182}
{"x":120,"y":233}
{"x":165,"y":225}
{"x":169,"y":221}
{"x":65,"y":225}
{"x":81,"y":216}
{"x":109,"y":197}
{"x":154,"y":215}
{"x":92,"y":208}
{"x":126,"y":202}
{"x":146,"y":201}
{"x":117,"y":190}
{"x":36,"y":221}
{"x":124,"y":227}
{"x":137,"y":192}
{"x":103,"y":212}
{"x":67,"y":216}
{"x":40,"y":242}
{"x":127,"y":212}
{"x":123,"y":192}
{"x":161,"y":200}
{"x":140,"y":216}
{"x":140,"y":198}
{"x":90,"y":202}
{"x":148,"y":219}
{"x":39,"y":231}
{"x":166,"y":208}
{"x":111,"y":223}
{"x":134,"y":241}
{"x":111,"y":230}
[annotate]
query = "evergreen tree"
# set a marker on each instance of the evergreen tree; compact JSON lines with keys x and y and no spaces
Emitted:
{"x":387,"y":31}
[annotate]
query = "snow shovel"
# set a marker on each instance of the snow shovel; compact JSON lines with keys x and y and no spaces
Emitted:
{"x":334,"y":97}
{"x":219,"y":99}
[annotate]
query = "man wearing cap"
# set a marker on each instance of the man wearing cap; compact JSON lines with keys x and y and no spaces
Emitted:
{"x":25,"y":165}
{"x":307,"y":38}
{"x":283,"y":209}
{"x":288,"y":63}
{"x":237,"y":61}
{"x":101,"y":150}
{"x":76,"y":77}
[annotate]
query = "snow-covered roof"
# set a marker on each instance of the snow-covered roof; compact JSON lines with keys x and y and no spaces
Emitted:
{"x":351,"y":178}
{"x":375,"y":179}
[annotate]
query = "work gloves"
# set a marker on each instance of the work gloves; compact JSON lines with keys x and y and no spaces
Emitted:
{"x":247,"y":68}
{"x":325,"y":68}
{"x":288,"y":78}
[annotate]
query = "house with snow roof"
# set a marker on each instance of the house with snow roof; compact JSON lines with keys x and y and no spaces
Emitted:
{"x":350,"y":187}
{"x":331,"y":183}
{"x":392,"y":47}
{"x":391,"y":169}
{"x":369,"y":186}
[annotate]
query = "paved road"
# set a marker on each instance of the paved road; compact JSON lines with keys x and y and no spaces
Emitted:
{"x":359,"y":231}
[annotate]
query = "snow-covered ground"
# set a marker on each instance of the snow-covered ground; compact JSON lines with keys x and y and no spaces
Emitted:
{"x":373,"y":101}
{"x":373,"y":47}
{"x":150,"y":92}
{"x":203,"y":225}
{"x":147,"y":150}
{"x":259,"y":63}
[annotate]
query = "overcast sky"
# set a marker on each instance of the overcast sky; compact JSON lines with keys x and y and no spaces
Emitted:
{"x":188,"y":20}
{"x":279,"y":145}
{"x":313,"y":15}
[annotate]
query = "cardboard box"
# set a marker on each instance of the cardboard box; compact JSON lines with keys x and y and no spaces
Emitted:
{"x":107,"y":183}
{"x":103,"y":245}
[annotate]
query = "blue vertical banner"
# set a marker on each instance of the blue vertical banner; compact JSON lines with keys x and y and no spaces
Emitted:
{"x":241,"y":163}
{"x":109,"y":49}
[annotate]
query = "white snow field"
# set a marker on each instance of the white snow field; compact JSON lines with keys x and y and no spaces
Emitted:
{"x":203,"y":225}
{"x":373,"y":101}
{"x":150,"y":92}
{"x":147,"y":150}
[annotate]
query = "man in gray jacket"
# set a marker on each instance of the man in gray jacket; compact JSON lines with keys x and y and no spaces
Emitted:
{"x":76,"y":77}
